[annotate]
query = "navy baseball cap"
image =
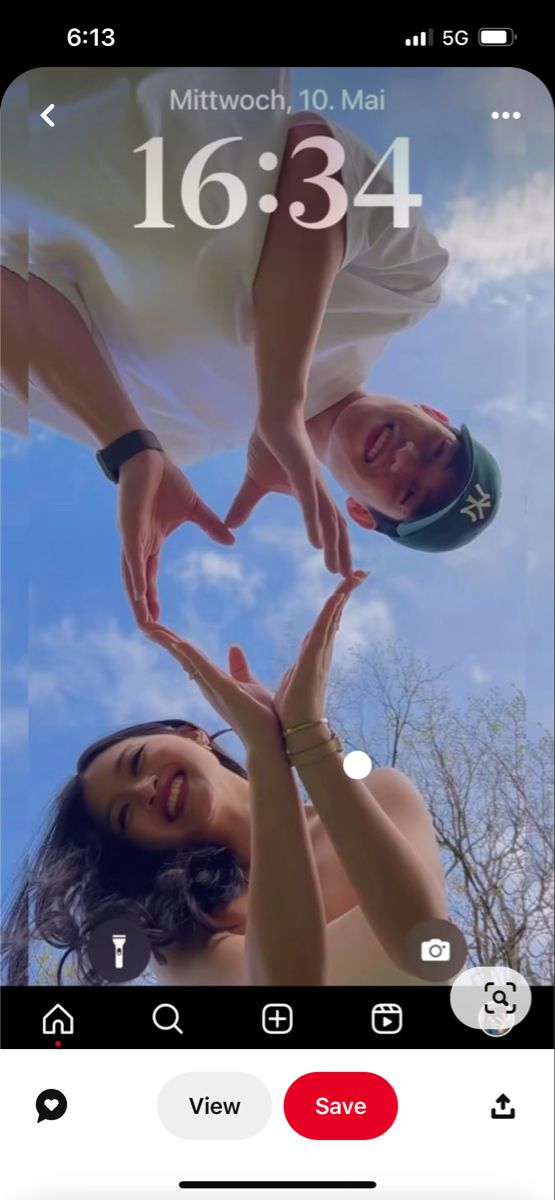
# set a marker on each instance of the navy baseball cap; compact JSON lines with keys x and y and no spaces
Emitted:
{"x":465,"y":517}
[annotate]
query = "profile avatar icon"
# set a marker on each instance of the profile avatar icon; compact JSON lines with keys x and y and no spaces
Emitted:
{"x":494,"y":1023}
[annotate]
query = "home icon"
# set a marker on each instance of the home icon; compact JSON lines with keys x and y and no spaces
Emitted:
{"x":57,"y":1021}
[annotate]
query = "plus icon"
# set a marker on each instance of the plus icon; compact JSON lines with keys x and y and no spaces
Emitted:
{"x":277,"y":1018}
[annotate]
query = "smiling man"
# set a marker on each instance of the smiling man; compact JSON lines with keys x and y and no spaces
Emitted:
{"x":408,"y":473}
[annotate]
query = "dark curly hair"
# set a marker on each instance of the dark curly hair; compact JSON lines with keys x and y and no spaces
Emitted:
{"x":81,"y":875}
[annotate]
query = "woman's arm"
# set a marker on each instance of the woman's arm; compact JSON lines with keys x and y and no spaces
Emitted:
{"x":384,"y":838}
{"x":224,"y":959}
{"x":295,"y":275}
{"x":285,"y":939}
{"x":285,"y":927}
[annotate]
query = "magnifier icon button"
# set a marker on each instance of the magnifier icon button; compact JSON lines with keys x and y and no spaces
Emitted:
{"x":170,"y":1014}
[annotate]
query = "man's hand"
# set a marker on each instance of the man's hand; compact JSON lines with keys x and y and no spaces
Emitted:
{"x":263,"y":475}
{"x":281,"y":459}
{"x":154,"y":499}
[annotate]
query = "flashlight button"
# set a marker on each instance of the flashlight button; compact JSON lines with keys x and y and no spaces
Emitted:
{"x":118,"y":950}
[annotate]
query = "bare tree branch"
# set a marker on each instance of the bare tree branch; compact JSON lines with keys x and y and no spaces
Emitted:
{"x":488,"y":783}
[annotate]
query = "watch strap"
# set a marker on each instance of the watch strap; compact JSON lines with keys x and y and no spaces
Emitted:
{"x":111,"y":458}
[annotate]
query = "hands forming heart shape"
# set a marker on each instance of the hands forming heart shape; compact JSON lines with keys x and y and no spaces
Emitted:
{"x":155,"y":498}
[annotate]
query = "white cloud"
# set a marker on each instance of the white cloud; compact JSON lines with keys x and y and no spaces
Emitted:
{"x":125,"y":678}
{"x":288,"y":539}
{"x":15,"y":672}
{"x":517,"y":429}
{"x":44,"y":685}
{"x":14,"y":726}
{"x":492,"y":240}
{"x":221,"y":571}
{"x":367,"y":617}
{"x":13,"y":446}
{"x":364,"y":621}
{"x":525,"y":409}
{"x":307,"y":582}
{"x":479,"y":674}
{"x":15,"y":441}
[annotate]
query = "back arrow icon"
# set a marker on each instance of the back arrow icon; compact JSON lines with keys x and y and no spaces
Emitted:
{"x":45,"y":116}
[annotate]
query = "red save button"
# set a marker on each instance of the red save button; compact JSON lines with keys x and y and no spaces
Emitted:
{"x":340,"y":1105}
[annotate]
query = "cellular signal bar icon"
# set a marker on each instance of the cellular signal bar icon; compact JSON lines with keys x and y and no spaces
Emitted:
{"x":421,"y":39}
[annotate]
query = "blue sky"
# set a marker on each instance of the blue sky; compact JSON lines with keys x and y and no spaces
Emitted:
{"x":74,"y":665}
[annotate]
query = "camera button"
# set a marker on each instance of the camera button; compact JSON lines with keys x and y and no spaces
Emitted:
{"x":437,"y":950}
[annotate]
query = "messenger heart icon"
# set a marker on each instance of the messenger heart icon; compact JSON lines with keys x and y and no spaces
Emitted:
{"x":51,"y":1105}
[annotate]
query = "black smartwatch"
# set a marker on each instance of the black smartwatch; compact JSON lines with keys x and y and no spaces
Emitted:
{"x":112,"y":457}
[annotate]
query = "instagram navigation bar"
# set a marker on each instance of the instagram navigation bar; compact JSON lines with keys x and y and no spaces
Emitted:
{"x":348,"y":1017}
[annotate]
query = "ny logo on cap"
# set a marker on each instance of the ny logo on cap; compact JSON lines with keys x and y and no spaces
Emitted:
{"x":477,"y":505}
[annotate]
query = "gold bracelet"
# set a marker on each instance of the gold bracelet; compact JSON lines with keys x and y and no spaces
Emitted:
{"x":316,"y":753}
{"x":307,"y":725}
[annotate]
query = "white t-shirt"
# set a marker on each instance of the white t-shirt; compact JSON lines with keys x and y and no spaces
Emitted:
{"x":171,"y":309}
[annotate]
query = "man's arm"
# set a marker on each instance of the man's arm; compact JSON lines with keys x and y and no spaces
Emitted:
{"x":295,"y":275}
{"x":43,"y":330}
{"x":14,"y":296}
{"x":291,"y":288}
{"x":44,"y":336}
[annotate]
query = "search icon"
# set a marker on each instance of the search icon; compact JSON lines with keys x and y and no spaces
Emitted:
{"x":174,"y":1016}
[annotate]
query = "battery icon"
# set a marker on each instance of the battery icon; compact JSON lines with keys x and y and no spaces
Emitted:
{"x":496,"y":37}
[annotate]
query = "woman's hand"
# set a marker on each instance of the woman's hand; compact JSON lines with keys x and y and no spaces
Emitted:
{"x":238,"y":697}
{"x":154,"y":499}
{"x":301,"y":695}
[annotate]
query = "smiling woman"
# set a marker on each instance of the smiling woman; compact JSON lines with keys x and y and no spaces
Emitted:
{"x":92,"y":865}
{"x":232,"y":877}
{"x":162,"y":789}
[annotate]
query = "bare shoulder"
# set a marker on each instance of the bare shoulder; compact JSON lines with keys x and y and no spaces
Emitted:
{"x":399,"y":797}
{"x":389,"y":784}
{"x":221,"y":961}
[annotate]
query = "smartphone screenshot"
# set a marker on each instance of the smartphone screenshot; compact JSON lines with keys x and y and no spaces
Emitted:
{"x":277,"y":610}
